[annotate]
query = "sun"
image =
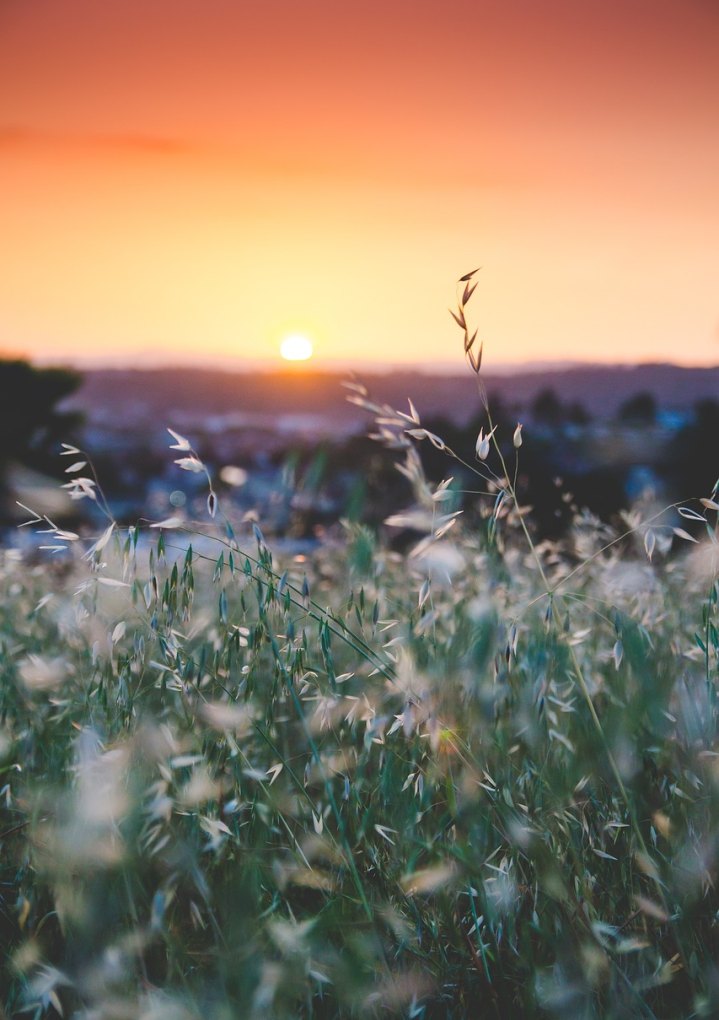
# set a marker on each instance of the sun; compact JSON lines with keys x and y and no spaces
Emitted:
{"x":296,"y":347}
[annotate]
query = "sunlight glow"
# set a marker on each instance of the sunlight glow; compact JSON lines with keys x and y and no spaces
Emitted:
{"x":296,"y":348}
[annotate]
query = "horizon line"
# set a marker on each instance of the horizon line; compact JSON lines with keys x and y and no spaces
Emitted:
{"x":337,"y":366}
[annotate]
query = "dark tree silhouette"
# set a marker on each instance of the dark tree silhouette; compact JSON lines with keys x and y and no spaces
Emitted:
{"x":31,"y":424}
{"x":577,"y":414}
{"x":641,"y":409}
{"x":693,"y":461}
{"x":547,"y":409}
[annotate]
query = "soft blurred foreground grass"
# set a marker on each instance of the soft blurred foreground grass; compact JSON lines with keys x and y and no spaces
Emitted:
{"x":365,"y":784}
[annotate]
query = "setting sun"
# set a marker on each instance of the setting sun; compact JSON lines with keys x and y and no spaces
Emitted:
{"x":296,"y":348}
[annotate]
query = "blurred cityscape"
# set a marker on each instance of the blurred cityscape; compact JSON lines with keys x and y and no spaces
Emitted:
{"x":290,"y":448}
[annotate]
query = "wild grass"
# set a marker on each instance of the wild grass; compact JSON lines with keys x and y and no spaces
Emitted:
{"x":475,"y":777}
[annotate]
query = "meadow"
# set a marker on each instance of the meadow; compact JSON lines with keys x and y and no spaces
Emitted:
{"x":466,"y":773}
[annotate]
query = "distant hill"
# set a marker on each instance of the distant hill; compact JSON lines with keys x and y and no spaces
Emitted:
{"x":179,"y":394}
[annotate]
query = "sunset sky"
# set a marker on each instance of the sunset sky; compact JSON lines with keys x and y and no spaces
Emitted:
{"x":191,"y":180}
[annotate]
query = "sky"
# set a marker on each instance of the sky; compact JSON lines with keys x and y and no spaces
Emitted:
{"x":192,"y":180}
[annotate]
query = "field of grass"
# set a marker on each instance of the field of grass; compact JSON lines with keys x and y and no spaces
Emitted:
{"x":469,"y":775}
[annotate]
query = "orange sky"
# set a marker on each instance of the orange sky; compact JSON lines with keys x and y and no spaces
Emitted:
{"x":192,"y":179}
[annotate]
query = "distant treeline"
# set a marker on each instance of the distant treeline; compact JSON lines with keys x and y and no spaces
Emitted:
{"x":570,"y":457}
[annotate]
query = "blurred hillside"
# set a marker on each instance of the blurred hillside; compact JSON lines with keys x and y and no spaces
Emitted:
{"x":314,"y":399}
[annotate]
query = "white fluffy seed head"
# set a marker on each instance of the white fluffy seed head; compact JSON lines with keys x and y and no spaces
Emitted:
{"x":482,"y":446}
